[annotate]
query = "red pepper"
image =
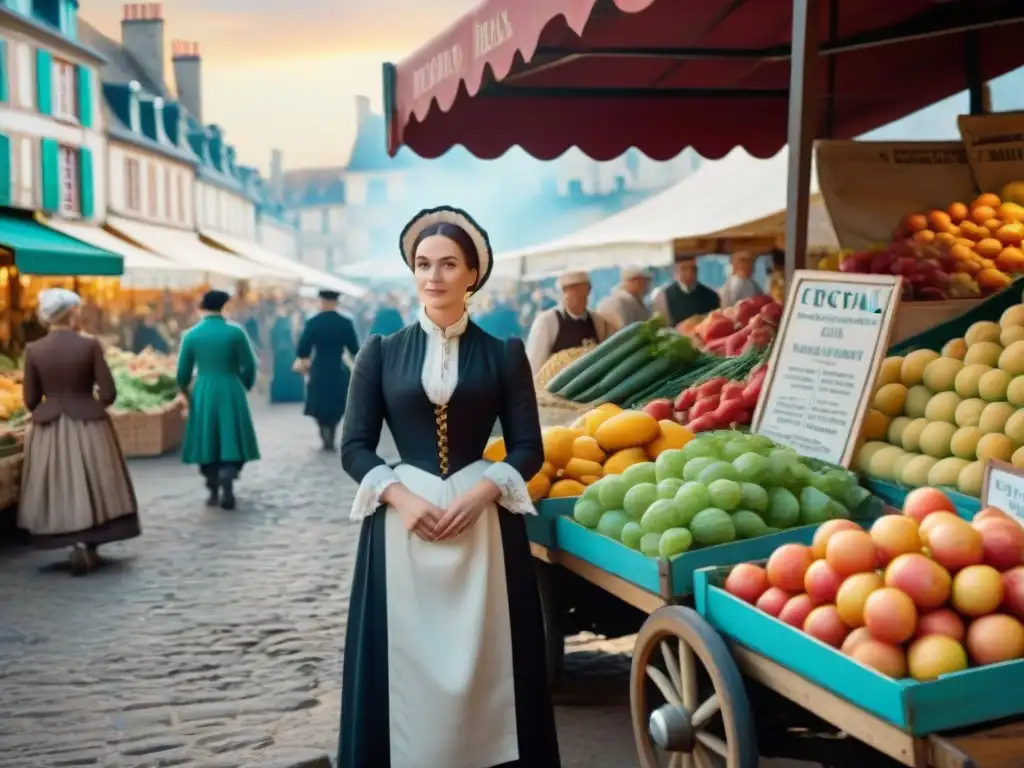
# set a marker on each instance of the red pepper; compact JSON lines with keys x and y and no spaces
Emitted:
{"x":704,"y":406}
{"x":752,"y":394}
{"x":686,"y":399}
{"x":735,"y":343}
{"x":733,"y":390}
{"x":719,"y":329}
{"x":711,"y":386}
{"x":703,"y":424}
{"x":728,"y":411}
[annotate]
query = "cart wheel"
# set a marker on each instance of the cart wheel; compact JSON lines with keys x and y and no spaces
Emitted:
{"x":554,"y":627}
{"x":718,"y":732}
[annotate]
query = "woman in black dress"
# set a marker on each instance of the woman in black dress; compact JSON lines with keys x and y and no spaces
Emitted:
{"x":444,"y":652}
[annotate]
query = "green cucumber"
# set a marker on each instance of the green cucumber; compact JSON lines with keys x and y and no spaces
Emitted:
{"x":617,"y":375}
{"x":655,"y":370}
{"x":576,"y":367}
{"x":597,"y":371}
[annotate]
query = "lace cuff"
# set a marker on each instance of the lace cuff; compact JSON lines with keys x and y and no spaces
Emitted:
{"x":514,"y":495}
{"x":367,"y":499}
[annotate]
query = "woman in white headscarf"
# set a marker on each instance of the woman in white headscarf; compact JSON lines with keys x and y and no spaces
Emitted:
{"x":76,"y":491}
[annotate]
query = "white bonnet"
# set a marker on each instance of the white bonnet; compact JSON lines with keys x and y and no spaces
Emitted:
{"x":55,"y":302}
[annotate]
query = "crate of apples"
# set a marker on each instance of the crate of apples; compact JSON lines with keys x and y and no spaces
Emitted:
{"x":920,"y":594}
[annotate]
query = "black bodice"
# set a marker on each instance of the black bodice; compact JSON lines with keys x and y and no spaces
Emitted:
{"x":494,"y":384}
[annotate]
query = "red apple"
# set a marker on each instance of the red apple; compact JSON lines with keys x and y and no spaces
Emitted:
{"x":1013,"y":591}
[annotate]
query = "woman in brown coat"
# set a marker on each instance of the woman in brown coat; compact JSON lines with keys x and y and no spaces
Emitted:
{"x":75,"y":489}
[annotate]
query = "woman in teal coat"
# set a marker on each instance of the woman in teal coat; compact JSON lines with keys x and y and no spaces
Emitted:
{"x":219,"y":435}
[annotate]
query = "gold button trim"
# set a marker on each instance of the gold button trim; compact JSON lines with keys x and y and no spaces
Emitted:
{"x":441,"y":417}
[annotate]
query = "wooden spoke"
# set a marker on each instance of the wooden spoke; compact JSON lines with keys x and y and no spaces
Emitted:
{"x":664,"y":685}
{"x":705,"y":712}
{"x":688,"y":671}
{"x":674,"y":733}
{"x":701,"y":758}
{"x":713,"y":743}
{"x":672,"y":666}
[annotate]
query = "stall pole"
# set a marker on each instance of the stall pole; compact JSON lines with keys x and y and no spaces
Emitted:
{"x":803,"y":125}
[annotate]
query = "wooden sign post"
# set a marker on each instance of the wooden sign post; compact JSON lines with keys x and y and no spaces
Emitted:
{"x":832,"y":339}
{"x":1003,"y":488}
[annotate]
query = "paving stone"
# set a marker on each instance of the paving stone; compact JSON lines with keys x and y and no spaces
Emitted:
{"x":214,"y":640}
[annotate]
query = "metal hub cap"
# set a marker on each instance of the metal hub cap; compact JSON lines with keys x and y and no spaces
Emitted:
{"x":671,"y":729}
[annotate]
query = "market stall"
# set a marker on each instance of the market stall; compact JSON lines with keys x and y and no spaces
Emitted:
{"x":736,"y":203}
{"x":624,"y":488}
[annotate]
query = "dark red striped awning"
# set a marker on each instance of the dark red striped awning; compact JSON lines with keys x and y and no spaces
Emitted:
{"x":663,"y":75}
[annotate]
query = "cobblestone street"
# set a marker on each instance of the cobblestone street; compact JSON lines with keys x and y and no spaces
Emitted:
{"x":214,"y":640}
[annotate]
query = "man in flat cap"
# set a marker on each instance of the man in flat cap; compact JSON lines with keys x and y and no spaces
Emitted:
{"x":684,"y":297}
{"x":625,"y":305}
{"x":216,"y":368}
{"x":325,"y":338}
{"x":568,"y":325}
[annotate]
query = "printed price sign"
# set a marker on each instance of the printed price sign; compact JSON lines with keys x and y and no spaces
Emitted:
{"x":832,"y":339}
{"x":1003,"y":488}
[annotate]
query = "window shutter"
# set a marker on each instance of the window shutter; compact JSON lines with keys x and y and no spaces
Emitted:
{"x":85,"y":109}
{"x":44,"y":81}
{"x":6,"y":193}
{"x":4,"y":72}
{"x":50,"y":153}
{"x":85,"y":182}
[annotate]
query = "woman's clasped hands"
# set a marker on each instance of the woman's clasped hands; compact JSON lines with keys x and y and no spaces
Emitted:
{"x":432,"y":523}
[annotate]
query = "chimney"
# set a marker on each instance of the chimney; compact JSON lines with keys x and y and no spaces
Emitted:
{"x":277,"y":172}
{"x":188,"y":77}
{"x":142,"y":36}
{"x":362,"y":110}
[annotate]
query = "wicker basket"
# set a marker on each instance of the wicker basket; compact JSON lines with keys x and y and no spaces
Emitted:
{"x":10,"y":479}
{"x":149,"y":433}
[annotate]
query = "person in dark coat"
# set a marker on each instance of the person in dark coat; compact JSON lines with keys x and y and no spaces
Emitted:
{"x":147,"y":335}
{"x":286,"y":385}
{"x":685,"y":296}
{"x":388,"y":320}
{"x":324,"y":340}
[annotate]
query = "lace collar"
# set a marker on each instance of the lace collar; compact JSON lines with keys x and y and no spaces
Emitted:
{"x":451,"y":332}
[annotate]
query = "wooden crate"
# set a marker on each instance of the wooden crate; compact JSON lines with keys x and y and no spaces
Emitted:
{"x":915,"y":317}
{"x":10,"y":479}
{"x":149,"y":433}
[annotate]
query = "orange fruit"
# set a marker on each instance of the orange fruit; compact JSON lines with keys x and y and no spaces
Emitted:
{"x":961,"y":251}
{"x":988,"y":248}
{"x":969,"y":230}
{"x":1010,"y":212}
{"x":982,"y":213}
{"x":957,"y":212}
{"x":992,"y":280}
{"x":986,"y":200}
{"x":939,"y":220}
{"x":945,"y":239}
{"x":915,"y":222}
{"x":1011,"y":260}
{"x":924,"y":236}
{"x":1010,"y":234}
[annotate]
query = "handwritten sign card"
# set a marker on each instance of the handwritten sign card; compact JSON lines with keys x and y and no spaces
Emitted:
{"x":831,"y":342}
{"x":1003,"y":488}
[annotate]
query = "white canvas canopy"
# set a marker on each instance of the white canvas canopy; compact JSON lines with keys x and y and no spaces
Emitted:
{"x":737,"y":197}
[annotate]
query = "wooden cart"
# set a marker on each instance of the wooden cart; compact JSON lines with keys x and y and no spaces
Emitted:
{"x":724,"y":685}
{"x":699,"y":698}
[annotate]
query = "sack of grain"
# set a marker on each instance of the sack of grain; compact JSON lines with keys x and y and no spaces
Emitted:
{"x":556,"y":363}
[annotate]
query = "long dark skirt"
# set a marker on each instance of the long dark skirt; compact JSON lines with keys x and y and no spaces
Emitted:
{"x":365,"y":713}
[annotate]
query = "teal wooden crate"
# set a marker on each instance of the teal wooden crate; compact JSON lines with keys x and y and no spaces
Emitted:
{"x":953,"y":701}
{"x":895,"y":493}
{"x":540,"y":528}
{"x":668,"y":578}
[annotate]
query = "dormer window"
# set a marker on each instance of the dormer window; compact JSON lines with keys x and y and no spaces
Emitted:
{"x":65,"y":92}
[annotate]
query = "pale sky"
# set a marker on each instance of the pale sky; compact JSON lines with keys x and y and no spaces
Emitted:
{"x":285,"y":73}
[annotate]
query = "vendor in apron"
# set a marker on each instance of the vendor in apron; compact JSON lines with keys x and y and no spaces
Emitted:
{"x":568,"y":325}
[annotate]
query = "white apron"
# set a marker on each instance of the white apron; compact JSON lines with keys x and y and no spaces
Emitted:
{"x":451,"y":682}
